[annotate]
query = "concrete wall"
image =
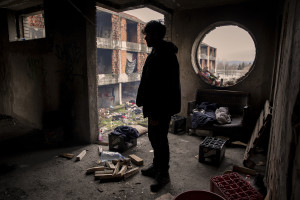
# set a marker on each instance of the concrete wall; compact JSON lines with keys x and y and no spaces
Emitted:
{"x":257,"y":19}
{"x":283,"y":166}
{"x":54,"y":74}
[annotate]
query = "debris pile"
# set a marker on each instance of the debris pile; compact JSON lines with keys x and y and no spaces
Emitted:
{"x":112,"y":166}
{"x":127,"y":114}
{"x":116,"y":167}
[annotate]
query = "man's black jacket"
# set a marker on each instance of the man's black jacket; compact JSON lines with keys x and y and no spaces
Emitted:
{"x":159,"y":91}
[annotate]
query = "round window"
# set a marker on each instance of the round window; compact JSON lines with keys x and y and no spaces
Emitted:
{"x":224,"y":55}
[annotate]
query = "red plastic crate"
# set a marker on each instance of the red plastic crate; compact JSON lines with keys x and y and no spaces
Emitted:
{"x":232,"y":186}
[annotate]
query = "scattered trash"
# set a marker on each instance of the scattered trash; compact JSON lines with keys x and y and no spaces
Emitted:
{"x":100,"y":137}
{"x":109,"y":156}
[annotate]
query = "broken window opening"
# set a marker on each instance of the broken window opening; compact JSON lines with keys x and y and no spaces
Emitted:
{"x":26,"y":26}
{"x":121,"y":54}
{"x":104,"y":61}
{"x":104,"y":24}
{"x":131,"y":28}
{"x":224,"y":55}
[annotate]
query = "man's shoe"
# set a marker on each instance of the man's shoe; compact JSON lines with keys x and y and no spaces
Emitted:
{"x":161,"y":181}
{"x":149,"y":171}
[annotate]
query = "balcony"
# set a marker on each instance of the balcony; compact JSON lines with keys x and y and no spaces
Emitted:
{"x":108,"y":79}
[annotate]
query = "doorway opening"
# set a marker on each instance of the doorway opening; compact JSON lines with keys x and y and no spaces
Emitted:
{"x":121,"y":54}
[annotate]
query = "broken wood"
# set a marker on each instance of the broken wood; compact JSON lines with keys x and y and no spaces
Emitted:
{"x":131,"y":172}
{"x":67,"y":155}
{"x":123,"y":170}
{"x":107,"y":176}
{"x":117,"y":167}
{"x":104,"y":172}
{"x":136,"y":160}
{"x":260,"y":132}
{"x":244,"y":170}
{"x":81,"y":155}
{"x":93,"y":169}
{"x":239,"y":143}
{"x":110,"y":165}
{"x":125,"y":161}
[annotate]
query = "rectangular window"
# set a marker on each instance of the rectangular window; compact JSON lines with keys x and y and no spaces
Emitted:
{"x":26,"y":26}
{"x":33,"y":26}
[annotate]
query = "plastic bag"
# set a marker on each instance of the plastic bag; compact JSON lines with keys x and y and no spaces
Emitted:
{"x":109,"y":156}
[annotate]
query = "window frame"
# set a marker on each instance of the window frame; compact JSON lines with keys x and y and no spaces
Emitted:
{"x":201,"y":36}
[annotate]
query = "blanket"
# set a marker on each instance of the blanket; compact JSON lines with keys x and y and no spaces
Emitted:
{"x":204,"y":114}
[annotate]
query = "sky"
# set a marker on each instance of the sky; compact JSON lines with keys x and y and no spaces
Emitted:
{"x":145,"y":14}
{"x":232,"y":42}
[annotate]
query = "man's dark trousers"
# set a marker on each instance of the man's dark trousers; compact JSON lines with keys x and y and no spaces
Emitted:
{"x":158,"y":136}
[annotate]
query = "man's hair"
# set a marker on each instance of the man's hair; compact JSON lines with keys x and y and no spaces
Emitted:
{"x":155,"y":27}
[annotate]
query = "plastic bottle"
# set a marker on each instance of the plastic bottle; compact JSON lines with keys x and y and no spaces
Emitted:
{"x":100,"y":138}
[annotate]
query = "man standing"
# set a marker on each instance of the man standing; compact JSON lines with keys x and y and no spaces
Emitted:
{"x":159,"y":94}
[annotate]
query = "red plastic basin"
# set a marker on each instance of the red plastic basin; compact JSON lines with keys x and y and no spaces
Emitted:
{"x":198,"y":195}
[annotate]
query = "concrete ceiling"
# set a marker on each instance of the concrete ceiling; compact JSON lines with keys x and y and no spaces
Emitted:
{"x":121,"y":5}
{"x":168,"y":5}
{"x":17,"y":5}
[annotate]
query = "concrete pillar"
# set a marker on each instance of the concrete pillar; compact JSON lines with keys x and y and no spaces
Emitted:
{"x":120,"y":93}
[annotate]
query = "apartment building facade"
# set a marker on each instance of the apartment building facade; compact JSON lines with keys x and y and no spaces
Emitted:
{"x":121,"y":53}
{"x":207,"y":57}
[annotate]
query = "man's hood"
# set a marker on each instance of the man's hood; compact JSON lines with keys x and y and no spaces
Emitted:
{"x":167,"y":47}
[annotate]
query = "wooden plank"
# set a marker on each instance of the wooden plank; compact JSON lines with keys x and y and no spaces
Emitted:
{"x":123,"y":170}
{"x":117,"y":167}
{"x":110,"y":165}
{"x":131,"y":172}
{"x":67,"y":155}
{"x":106,"y":176}
{"x":81,"y":155}
{"x":136,"y":160}
{"x":105,"y":172}
{"x":93,"y":169}
{"x":125,"y":161}
{"x":244,"y":170}
{"x":267,"y":110}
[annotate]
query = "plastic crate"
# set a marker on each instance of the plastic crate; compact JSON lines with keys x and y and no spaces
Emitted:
{"x":233,"y":186}
{"x":212,"y":149}
{"x":177,"y":124}
{"x":117,"y":143}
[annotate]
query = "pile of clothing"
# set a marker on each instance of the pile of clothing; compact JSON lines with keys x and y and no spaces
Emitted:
{"x":126,"y":132}
{"x":209,"y":113}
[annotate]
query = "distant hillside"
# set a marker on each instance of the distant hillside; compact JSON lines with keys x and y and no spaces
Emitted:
{"x":237,"y":62}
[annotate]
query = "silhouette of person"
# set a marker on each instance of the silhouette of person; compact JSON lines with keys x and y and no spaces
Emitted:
{"x":159,"y":94}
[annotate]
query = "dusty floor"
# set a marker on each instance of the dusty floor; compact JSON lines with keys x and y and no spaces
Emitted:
{"x":41,"y":174}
